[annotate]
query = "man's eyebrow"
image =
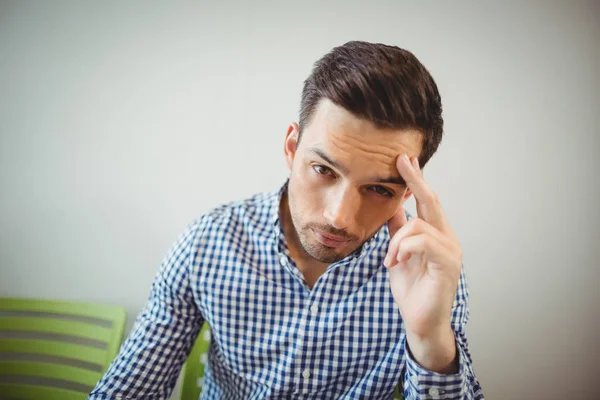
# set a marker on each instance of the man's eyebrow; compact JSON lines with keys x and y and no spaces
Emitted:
{"x":325,"y":157}
{"x":396,"y":180}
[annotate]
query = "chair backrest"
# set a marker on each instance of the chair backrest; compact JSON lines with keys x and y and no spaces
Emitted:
{"x":193,"y":371}
{"x":56,"y":349}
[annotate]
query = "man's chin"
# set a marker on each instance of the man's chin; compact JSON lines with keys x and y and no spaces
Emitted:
{"x":326,"y":254}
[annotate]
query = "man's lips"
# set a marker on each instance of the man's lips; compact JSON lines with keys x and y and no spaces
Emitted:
{"x":330,"y":240}
{"x":333,"y":237}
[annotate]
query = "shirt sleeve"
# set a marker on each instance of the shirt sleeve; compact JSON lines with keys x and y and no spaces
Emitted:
{"x":149,"y":361}
{"x":420,"y":384}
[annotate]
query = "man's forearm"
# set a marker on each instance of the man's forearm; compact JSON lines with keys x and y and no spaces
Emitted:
{"x":436,"y":352}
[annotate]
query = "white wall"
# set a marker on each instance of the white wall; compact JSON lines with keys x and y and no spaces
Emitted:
{"x":121,"y":122}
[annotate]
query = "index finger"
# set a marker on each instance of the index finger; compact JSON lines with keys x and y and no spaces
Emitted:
{"x":428,"y":207}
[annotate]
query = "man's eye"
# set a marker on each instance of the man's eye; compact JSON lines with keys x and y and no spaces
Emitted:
{"x":321,"y":169}
{"x":382,"y":191}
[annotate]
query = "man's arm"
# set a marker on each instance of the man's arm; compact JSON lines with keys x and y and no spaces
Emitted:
{"x":424,"y":260}
{"x":149,"y":361}
{"x":420,"y":383}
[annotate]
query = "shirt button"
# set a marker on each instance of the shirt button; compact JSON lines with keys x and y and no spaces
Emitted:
{"x":314,"y":309}
{"x":434,"y":392}
{"x":282,"y":258}
{"x":306,"y":374}
{"x":415,"y":380}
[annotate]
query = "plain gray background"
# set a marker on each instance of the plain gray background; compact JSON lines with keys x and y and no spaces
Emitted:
{"x":120,"y":122}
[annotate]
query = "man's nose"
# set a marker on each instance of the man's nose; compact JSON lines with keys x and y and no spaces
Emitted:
{"x":342,"y":210}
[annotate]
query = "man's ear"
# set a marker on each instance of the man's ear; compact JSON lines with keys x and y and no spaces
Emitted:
{"x":291,"y":144}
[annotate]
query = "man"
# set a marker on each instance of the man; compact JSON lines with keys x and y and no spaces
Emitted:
{"x":325,"y":288}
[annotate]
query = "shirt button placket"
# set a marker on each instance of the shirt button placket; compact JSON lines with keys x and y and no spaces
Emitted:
{"x":314,"y":311}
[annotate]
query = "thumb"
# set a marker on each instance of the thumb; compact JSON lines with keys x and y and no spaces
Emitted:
{"x":397,"y":221}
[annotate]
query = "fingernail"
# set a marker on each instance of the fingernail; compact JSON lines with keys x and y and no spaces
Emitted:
{"x":406,"y":158}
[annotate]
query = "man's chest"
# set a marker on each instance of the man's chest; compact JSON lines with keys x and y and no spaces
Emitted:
{"x":262,"y":315}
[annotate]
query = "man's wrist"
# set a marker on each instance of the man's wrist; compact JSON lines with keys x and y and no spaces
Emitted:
{"x":436,"y":352}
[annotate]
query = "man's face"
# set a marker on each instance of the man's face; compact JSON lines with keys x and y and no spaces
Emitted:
{"x":344,"y":184}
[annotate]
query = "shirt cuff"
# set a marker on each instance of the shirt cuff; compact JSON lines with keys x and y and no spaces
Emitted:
{"x":422,"y":384}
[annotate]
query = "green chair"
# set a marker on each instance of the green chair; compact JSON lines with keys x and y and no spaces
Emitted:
{"x":56,"y":349}
{"x":193,"y":370}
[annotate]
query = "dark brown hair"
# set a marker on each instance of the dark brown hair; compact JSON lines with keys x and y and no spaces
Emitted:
{"x":380,"y":83}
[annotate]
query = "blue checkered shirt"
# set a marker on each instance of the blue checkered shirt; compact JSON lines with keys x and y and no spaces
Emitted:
{"x":272,"y":336}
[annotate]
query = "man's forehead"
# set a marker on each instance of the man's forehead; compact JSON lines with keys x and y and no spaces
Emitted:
{"x":356,"y":146}
{"x":333,"y":122}
{"x":335,"y":129}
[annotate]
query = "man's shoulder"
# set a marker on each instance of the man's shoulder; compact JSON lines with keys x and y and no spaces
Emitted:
{"x":255,"y":209}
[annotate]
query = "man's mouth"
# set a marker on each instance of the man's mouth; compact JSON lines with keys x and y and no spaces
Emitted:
{"x":329,"y":240}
